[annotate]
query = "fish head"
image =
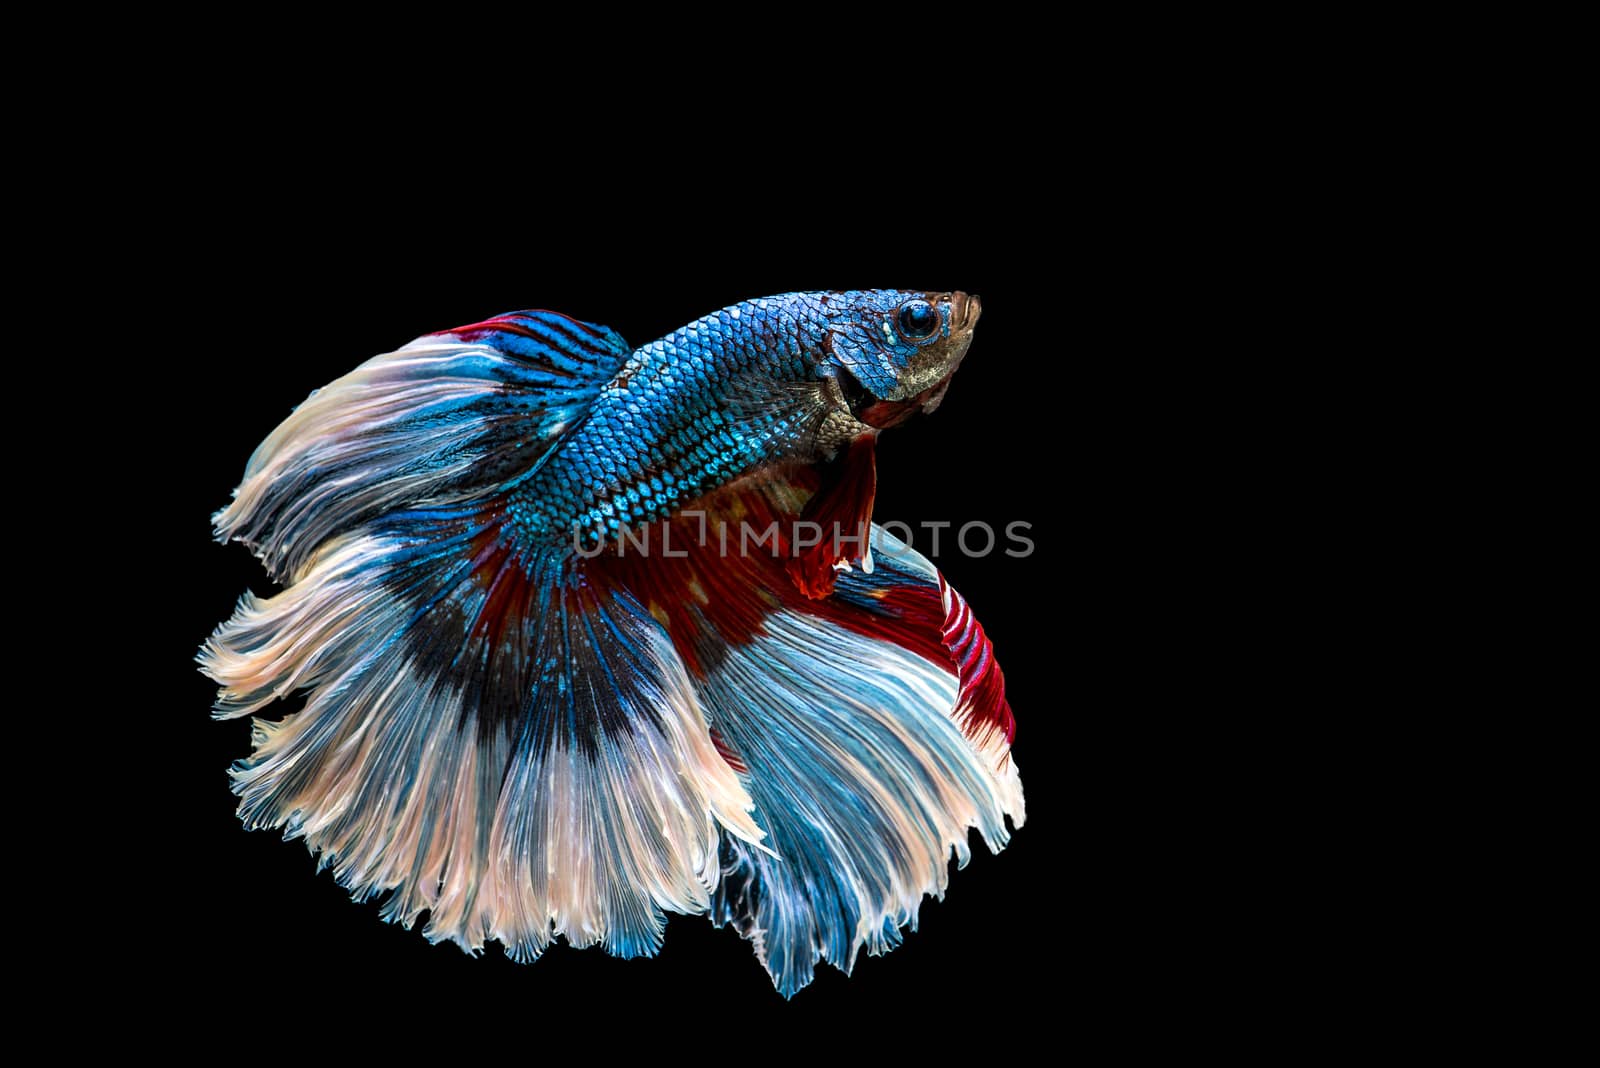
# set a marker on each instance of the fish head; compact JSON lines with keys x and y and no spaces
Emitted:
{"x":889,"y":353}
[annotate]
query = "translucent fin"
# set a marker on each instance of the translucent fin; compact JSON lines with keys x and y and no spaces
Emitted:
{"x":485,"y":736}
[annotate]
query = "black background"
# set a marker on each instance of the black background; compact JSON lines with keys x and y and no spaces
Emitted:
{"x":299,"y":290}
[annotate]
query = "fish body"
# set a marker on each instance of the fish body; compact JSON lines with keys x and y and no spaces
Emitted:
{"x":551,"y":688}
{"x":732,"y":392}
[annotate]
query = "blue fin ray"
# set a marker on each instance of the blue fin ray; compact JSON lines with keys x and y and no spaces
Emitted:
{"x":447,"y":419}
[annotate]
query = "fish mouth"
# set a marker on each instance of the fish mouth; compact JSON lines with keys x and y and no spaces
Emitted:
{"x":964,"y":311}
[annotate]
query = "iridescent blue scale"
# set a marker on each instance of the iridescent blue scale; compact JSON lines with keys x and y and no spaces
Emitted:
{"x":681,"y":432}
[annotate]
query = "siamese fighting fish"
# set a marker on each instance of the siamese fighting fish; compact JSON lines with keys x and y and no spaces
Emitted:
{"x":587,"y":634}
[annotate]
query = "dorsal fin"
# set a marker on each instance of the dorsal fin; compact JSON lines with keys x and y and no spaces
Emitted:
{"x":442,"y":421}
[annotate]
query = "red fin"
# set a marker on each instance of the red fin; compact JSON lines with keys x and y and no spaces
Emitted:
{"x":981,"y":706}
{"x":840,"y":516}
{"x":508,"y":592}
{"x":695,"y":577}
{"x":714,"y":573}
{"x":728,"y":755}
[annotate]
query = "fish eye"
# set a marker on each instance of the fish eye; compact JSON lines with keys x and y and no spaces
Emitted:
{"x":918,"y":320}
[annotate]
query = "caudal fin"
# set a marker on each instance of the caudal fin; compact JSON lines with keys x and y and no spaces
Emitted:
{"x":485,"y":736}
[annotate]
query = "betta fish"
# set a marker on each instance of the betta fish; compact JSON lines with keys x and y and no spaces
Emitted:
{"x":588,"y":634}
